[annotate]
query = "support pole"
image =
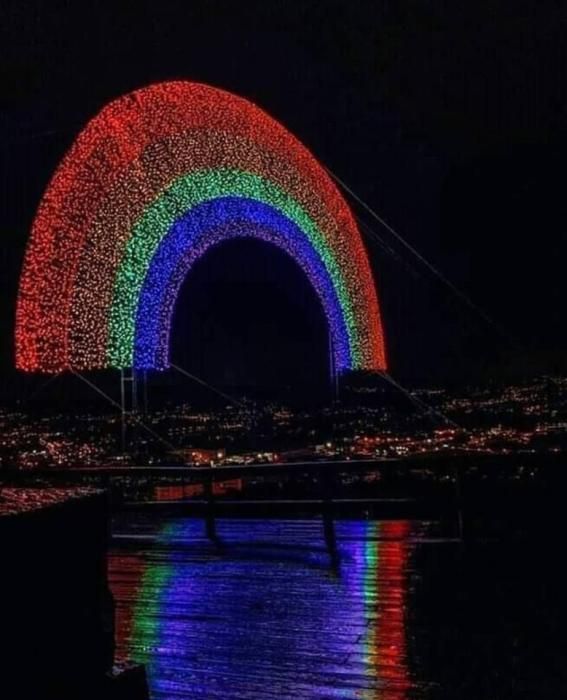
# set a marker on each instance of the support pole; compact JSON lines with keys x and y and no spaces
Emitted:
{"x":326,"y":484}
{"x":210,"y":525}
{"x":333,"y":369}
{"x":460,"y":505}
{"x":128,"y":401}
{"x":123,"y":409}
{"x":134,"y":400}
{"x":122,"y":406}
{"x":145,"y":391}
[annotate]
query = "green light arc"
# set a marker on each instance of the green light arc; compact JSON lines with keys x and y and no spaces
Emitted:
{"x":182,"y":195}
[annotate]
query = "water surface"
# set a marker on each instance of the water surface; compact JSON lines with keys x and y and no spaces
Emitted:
{"x":266,"y":612}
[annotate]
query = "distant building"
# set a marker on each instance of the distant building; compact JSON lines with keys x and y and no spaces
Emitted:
{"x":200,"y":456}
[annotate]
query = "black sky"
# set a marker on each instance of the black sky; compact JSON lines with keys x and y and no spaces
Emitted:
{"x":449,"y":118}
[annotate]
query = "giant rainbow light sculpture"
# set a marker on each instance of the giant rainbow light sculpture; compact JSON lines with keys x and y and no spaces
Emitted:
{"x":156,"y":179}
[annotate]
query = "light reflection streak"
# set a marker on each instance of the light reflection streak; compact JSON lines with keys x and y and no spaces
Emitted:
{"x":207,"y":622}
{"x":386,"y":554}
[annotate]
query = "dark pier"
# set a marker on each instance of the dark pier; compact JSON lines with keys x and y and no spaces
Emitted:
{"x":56,"y":609}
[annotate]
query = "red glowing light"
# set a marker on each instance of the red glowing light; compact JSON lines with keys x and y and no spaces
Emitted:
{"x":120,"y":163}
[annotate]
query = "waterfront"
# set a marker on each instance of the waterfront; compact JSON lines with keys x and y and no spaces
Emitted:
{"x":283,"y":361}
{"x":370,"y":422}
{"x":264,"y":612}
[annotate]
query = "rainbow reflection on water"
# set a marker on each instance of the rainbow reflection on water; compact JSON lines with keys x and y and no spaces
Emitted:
{"x":265,"y":614}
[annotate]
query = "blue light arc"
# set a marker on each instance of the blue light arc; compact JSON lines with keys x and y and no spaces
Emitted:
{"x":197,"y":231}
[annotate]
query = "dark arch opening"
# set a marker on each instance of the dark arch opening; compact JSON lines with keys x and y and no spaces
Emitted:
{"x":247,"y":319}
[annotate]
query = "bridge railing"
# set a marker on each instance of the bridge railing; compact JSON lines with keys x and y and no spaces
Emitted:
{"x":432,"y":487}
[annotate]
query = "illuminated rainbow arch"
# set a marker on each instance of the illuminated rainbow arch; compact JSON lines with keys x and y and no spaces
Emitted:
{"x":155,"y":180}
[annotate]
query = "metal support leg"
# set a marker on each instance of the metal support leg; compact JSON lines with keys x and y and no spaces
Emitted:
{"x":128,"y":401}
{"x":460,"y":505}
{"x":145,"y":391}
{"x":333,"y":370}
{"x":134,"y":394}
{"x":210,"y":525}
{"x":123,"y":409}
{"x":328,"y":517}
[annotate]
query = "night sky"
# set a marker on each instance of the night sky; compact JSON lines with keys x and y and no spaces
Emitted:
{"x":448,"y":118}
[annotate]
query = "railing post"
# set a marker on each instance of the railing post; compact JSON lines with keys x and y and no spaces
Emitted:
{"x":325,"y":482}
{"x":460,"y":505}
{"x":210,"y":525}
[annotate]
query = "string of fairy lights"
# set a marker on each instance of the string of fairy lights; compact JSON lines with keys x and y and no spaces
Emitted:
{"x":184,"y":196}
{"x":106,"y":256}
{"x":150,"y":184}
{"x":203,"y":227}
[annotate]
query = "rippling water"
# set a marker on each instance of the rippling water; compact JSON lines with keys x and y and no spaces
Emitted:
{"x":265,"y":613}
